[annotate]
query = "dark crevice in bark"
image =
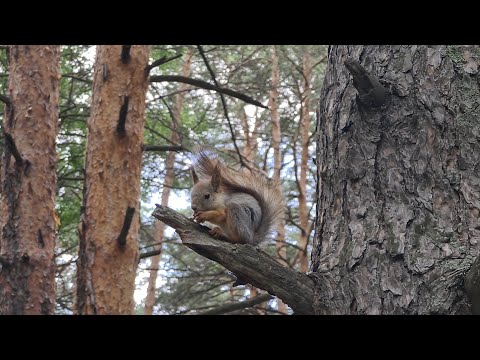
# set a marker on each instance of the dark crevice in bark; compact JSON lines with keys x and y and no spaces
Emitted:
{"x":123,"y":117}
{"x":125,"y":56}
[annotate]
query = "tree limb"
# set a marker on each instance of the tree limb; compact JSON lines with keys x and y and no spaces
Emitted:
{"x":247,"y":262}
{"x":227,"y":308}
{"x":162,"y":147}
{"x":122,"y":238}
{"x":5,"y":99}
{"x":205,"y":85}
{"x":161,"y":61}
{"x":151,"y":253}
{"x":10,"y":143}
{"x":224,"y":104}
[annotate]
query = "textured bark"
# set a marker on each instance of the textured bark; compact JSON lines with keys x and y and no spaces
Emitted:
{"x":303,"y":210}
{"x":398,"y":185}
{"x":106,"y":269}
{"x":28,"y":182}
{"x":168,"y":183}
{"x":250,"y":264}
{"x":280,"y":244}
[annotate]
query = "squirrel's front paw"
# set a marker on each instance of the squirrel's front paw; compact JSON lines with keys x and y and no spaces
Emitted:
{"x":199,"y":217}
{"x":216,"y":231}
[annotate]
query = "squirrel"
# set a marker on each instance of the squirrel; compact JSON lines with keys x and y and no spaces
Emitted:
{"x":246,"y":206}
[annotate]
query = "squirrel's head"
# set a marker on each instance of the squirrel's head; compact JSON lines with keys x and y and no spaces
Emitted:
{"x":206,"y":194}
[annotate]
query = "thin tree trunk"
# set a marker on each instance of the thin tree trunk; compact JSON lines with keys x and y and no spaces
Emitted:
{"x":251,"y":145}
{"x":168,"y":182}
{"x":28,"y":182}
{"x":108,"y":238}
{"x":398,"y":188}
{"x":303,"y":212}
{"x":280,"y":244}
{"x":249,"y":153}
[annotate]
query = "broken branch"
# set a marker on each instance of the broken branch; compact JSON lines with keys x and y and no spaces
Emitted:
{"x":371,"y":92}
{"x":122,"y":238}
{"x":10,"y":143}
{"x":123,"y":118}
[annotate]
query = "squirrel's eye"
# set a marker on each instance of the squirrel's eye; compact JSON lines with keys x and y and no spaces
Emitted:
{"x":207,"y":196}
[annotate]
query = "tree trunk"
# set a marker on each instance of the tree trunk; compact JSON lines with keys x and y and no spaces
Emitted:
{"x":280,"y":245}
{"x":108,"y":239}
{"x":303,"y":211}
{"x":398,"y":180}
{"x":28,"y":182}
{"x":168,"y":182}
{"x":250,"y":148}
{"x":249,"y":152}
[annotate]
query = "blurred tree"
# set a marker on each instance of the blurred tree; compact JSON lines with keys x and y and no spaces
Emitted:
{"x":28,"y":181}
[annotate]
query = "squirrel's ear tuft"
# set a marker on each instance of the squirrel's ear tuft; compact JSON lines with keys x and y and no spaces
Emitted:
{"x":194,"y":175}
{"x":216,"y":178}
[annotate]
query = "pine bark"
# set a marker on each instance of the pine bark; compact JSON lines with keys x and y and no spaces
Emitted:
{"x":108,"y":247}
{"x":398,"y":184}
{"x":28,"y":182}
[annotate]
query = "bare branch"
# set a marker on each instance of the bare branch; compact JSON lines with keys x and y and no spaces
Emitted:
{"x":247,"y":262}
{"x":205,"y":85}
{"x":148,"y":254}
{"x":5,"y":99}
{"x":10,"y":143}
{"x":319,"y":62}
{"x":227,"y":308}
{"x":161,"y":61}
{"x":86,"y":81}
{"x":163,"y":148}
{"x":224,"y":104}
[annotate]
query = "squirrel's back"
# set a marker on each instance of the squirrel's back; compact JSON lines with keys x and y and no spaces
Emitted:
{"x":266,"y":192}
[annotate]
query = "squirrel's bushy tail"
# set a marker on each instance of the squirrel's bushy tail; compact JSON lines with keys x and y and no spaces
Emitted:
{"x":265,"y":191}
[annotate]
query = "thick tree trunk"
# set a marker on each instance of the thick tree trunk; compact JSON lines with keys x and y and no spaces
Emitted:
{"x":28,"y":182}
{"x":398,"y":184}
{"x":150,"y":299}
{"x":108,"y":240}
